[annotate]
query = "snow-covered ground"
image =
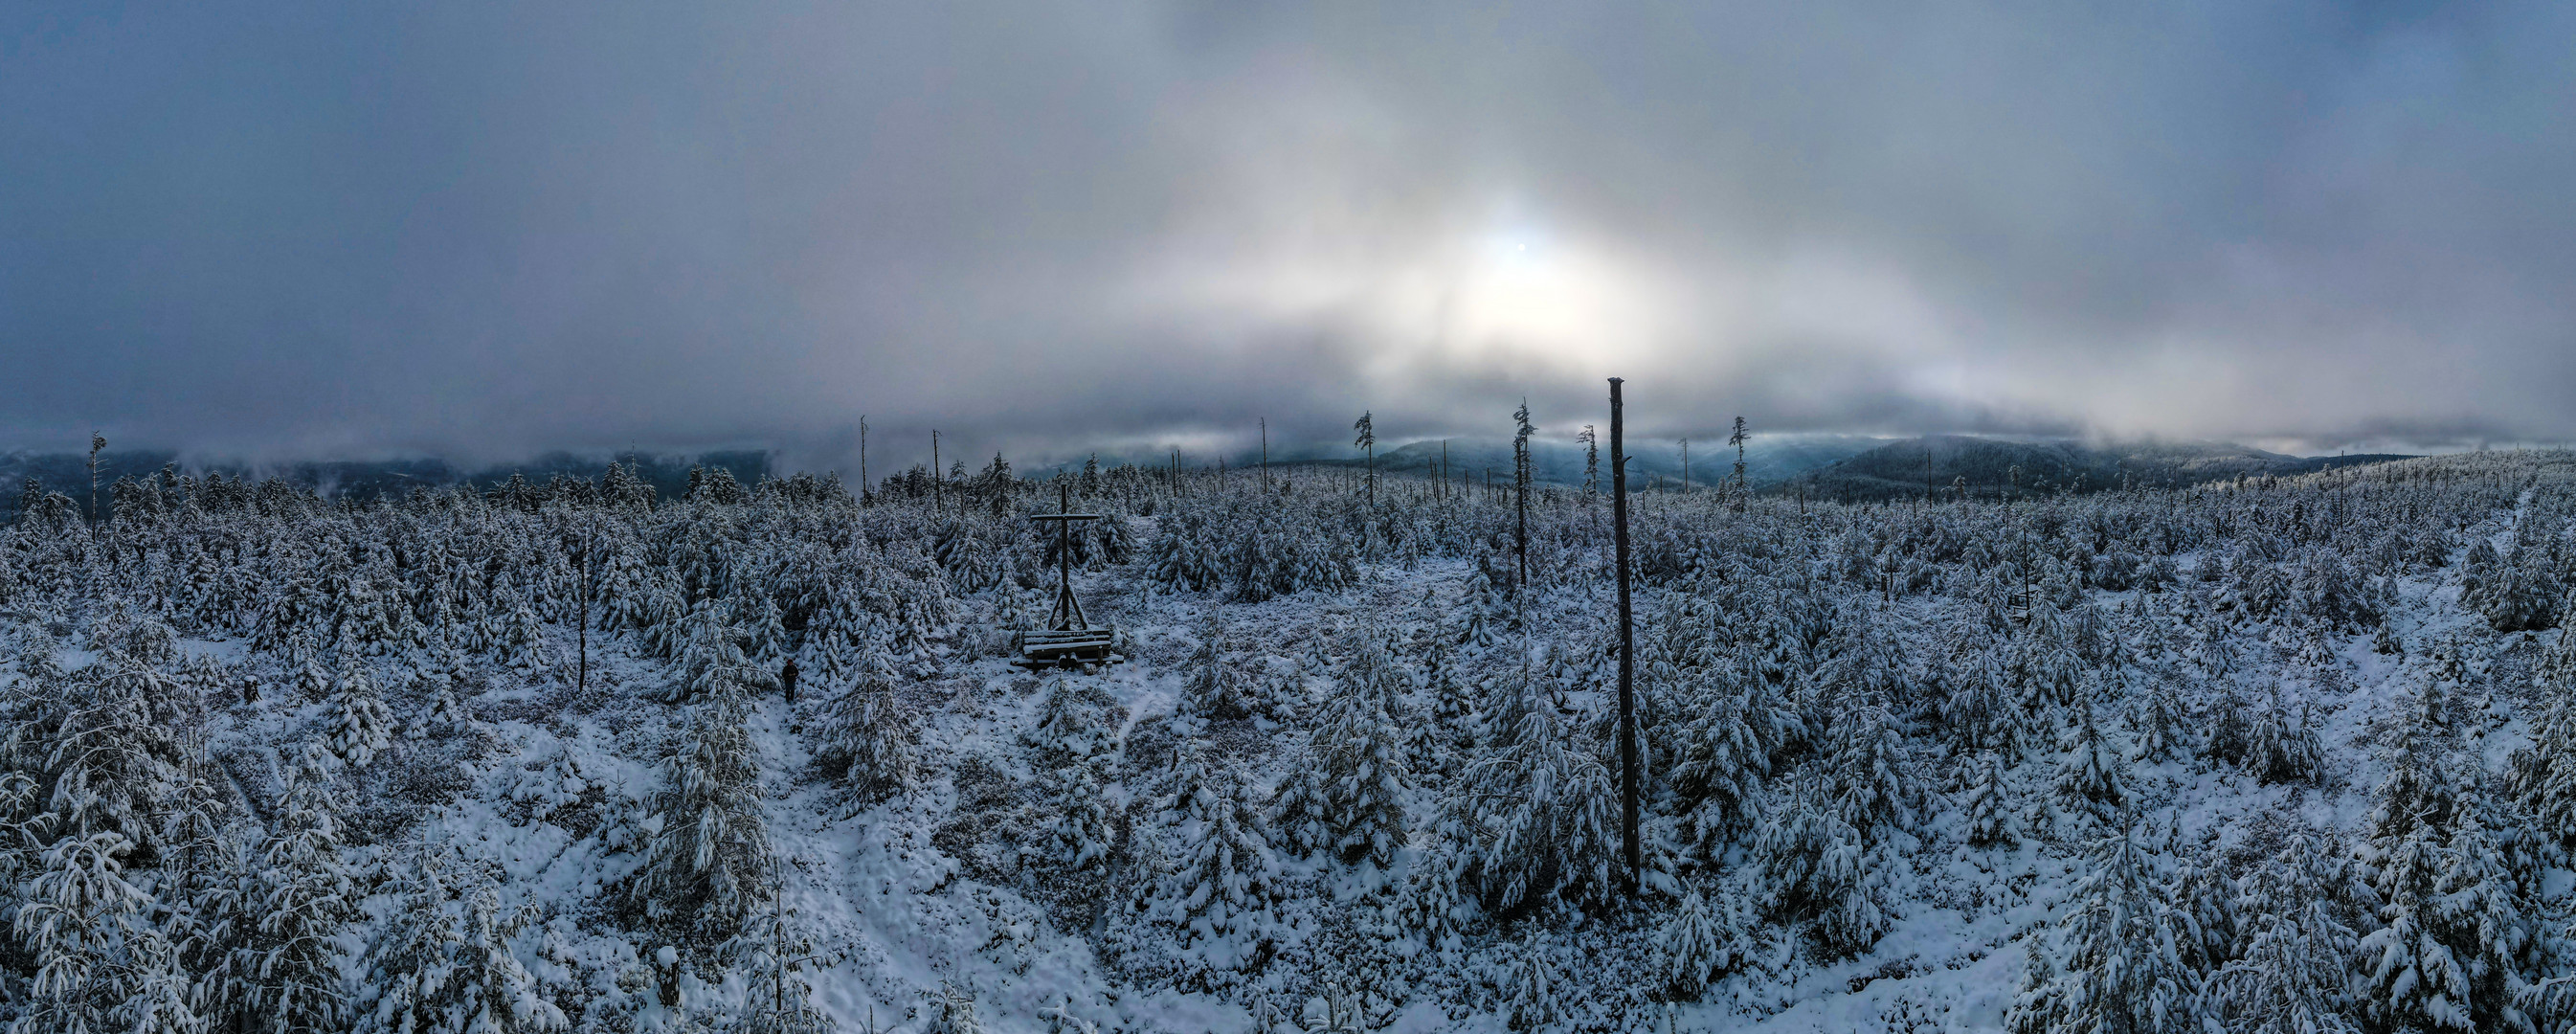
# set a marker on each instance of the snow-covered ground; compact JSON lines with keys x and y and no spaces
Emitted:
{"x":2170,"y":758}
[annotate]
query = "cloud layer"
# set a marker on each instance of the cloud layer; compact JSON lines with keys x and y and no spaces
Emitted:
{"x":489,"y":229}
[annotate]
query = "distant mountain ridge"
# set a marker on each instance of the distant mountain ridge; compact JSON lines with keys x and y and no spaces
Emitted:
{"x":1654,"y":463}
{"x":1986,"y":467}
{"x":67,"y":472}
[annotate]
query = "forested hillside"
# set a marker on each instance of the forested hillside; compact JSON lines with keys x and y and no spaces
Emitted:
{"x":2282,"y":754}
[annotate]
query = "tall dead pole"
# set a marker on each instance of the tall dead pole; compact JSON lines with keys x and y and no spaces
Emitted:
{"x":938,"y":480}
{"x":863,"y":458}
{"x":1627,"y":644}
{"x":1265,"y":455}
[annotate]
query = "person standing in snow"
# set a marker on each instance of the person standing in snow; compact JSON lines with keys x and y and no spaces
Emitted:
{"x":787,"y":679}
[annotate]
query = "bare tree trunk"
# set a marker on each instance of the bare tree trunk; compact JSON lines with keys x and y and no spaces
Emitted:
{"x":582,"y":681}
{"x":1627,"y":646}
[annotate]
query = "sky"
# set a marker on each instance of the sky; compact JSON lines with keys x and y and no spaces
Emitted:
{"x":483,"y":231}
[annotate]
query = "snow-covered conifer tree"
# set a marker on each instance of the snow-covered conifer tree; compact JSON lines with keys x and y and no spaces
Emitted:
{"x":1212,"y":688}
{"x":1697,"y":943}
{"x":1722,"y":753}
{"x":1536,"y":811}
{"x":2281,"y":744}
{"x":270,"y":937}
{"x":1073,"y":718}
{"x":2160,"y":721}
{"x":1349,"y":797}
{"x":2293,"y":975}
{"x":1533,"y":990}
{"x":1818,"y":871}
{"x":712,"y":662}
{"x":99,"y":961}
{"x":1871,"y":777}
{"x":1212,"y":898}
{"x":1986,"y":813}
{"x":2124,"y":966}
{"x":1979,"y":709}
{"x":360,"y":723}
{"x":2089,"y":775}
{"x":1081,"y":828}
{"x":867,"y":736}
{"x":710,"y":842}
{"x":443,"y":965}
{"x":101,"y":742}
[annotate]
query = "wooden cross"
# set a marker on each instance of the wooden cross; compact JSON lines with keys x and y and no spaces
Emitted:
{"x":1067,"y":616}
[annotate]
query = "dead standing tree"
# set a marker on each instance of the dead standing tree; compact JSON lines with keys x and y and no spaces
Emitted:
{"x":1368,"y":440}
{"x":1521,"y":486}
{"x":97,"y":444}
{"x":1738,"y":439}
{"x":1627,"y":645}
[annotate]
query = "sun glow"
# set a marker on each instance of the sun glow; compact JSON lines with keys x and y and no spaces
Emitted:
{"x":1515,"y":293}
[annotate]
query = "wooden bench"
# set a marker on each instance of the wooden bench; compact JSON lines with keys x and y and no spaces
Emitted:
{"x":1064,"y":647}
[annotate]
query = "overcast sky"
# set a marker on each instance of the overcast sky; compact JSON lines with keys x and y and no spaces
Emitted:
{"x":483,"y":230}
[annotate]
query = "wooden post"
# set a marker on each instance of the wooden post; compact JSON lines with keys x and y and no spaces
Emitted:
{"x":938,"y":481}
{"x":863,"y":459}
{"x":1627,"y":646}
